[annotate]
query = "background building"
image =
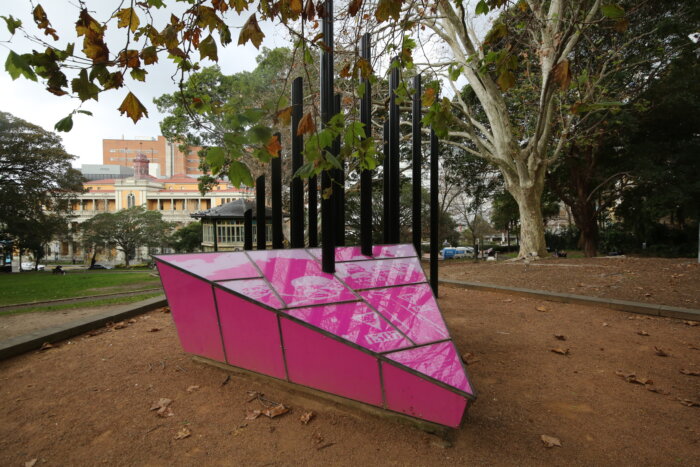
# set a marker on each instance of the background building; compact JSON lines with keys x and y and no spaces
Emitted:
{"x":165,"y":157}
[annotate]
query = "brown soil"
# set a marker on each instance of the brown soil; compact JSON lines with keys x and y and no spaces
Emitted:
{"x":674,"y":282}
{"x":87,"y":401}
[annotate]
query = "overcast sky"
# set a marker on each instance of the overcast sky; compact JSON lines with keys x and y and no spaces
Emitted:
{"x":30,"y":101}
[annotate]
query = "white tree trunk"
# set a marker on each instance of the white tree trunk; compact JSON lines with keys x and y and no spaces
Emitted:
{"x":529,"y":201}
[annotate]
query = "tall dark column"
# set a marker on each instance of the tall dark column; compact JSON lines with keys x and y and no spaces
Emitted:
{"x":216,"y":236}
{"x":327,"y":111}
{"x":434,"y":212}
{"x":276,"y":193}
{"x":386,"y":185}
{"x":296,"y":209}
{"x":260,"y":213}
{"x":394,"y":135}
{"x":313,"y":211}
{"x":366,"y":175}
{"x":248,"y":229}
{"x":417,"y":162}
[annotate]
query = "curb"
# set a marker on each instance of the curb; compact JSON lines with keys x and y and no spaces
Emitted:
{"x":75,"y":299}
{"x":34,"y":340}
{"x":620,"y":305}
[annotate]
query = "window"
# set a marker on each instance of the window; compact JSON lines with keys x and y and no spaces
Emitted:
{"x":130,"y":200}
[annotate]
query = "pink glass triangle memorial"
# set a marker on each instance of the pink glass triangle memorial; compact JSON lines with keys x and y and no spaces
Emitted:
{"x":372,"y":332}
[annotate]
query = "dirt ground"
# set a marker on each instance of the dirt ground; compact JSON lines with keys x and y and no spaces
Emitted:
{"x":674,"y":282}
{"x":87,"y":401}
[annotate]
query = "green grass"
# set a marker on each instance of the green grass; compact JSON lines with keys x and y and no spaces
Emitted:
{"x":88,"y":304}
{"x":39,"y":286}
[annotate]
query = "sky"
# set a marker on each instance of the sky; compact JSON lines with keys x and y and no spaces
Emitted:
{"x":30,"y":101}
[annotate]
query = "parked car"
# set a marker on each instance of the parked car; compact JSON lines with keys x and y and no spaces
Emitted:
{"x":29,"y":266}
{"x":101,"y":266}
{"x":464,"y":251}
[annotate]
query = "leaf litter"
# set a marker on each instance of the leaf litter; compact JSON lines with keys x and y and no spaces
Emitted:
{"x":550,"y":441}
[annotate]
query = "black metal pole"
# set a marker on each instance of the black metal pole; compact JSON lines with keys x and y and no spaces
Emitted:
{"x":260,"y":213}
{"x":386,"y":185}
{"x":296,"y":210}
{"x":417,"y":162}
{"x":366,"y":175}
{"x":394,"y":135}
{"x":338,"y":188}
{"x":434,"y":219}
{"x":276,"y":192}
{"x":216,"y":237}
{"x":327,"y":111}
{"x":248,"y":229}
{"x":313,"y":211}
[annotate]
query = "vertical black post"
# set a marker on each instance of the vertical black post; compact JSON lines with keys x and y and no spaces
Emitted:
{"x":327,"y":111}
{"x":386,"y":185}
{"x":417,"y":161}
{"x":296,"y":209}
{"x":216,"y":237}
{"x":338,"y":188}
{"x":248,"y":229}
{"x":366,"y":175}
{"x":394,"y":135}
{"x":313,"y":211}
{"x":260,"y":213}
{"x":434,"y":219}
{"x":276,"y":192}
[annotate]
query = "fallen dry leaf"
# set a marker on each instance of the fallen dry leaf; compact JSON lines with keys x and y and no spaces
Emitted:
{"x":192,"y":388}
{"x":469,"y":358}
{"x":252,"y":395}
{"x":690,"y":372}
{"x":541,"y":308}
{"x":561,"y":337}
{"x":162,"y":407}
{"x":132,"y":321}
{"x":550,"y":441}
{"x":560,"y":351}
{"x":183,"y":433}
{"x":657,"y":390}
{"x":154,"y":330}
{"x":239,"y":429}
{"x":120,"y":325}
{"x":605,"y":325}
{"x":275,"y":411}
{"x":689,"y":402}
{"x":306,"y":417}
{"x":45,"y":346}
{"x":643,"y":333}
{"x":252,"y":414}
{"x":691,"y":323}
{"x":31,"y":462}
{"x":634,"y":379}
{"x":660,"y":352}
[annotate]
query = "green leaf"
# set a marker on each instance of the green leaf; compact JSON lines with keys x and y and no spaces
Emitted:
{"x":17,"y":66}
{"x":139,"y":74}
{"x":481,"y":8}
{"x":215,"y":158}
{"x":207,"y":48}
{"x":388,"y":9}
{"x":12,"y":23}
{"x":85,"y":88}
{"x":612,"y":11}
{"x":133,"y":107}
{"x":64,"y":124}
{"x":260,"y":134}
{"x":333,"y":160}
{"x":308,"y":58}
{"x":86,"y":112}
{"x":238,"y":172}
{"x":156,"y":3}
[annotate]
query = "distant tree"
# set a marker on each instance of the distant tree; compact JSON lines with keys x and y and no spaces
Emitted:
{"x":36,"y":183}
{"x":127,"y":230}
{"x":187,"y":239}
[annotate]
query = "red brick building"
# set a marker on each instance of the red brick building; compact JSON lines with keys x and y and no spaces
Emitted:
{"x":164,"y":156}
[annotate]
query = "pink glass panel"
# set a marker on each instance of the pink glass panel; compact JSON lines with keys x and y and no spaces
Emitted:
{"x":380,"y":273}
{"x":409,"y":394}
{"x":255,"y":289}
{"x":191,"y":303}
{"x":298,"y":279}
{"x":320,"y":362}
{"x":412,"y":309}
{"x":251,"y":335}
{"x":355,"y":322}
{"x":354,"y":253}
{"x":439,"y":361}
{"x":214,"y":266}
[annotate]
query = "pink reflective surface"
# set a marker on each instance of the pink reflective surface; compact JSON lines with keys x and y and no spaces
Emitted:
{"x":322,"y":363}
{"x":191,"y":303}
{"x":380,"y":273}
{"x":214,"y":266}
{"x":439,"y":361}
{"x":355,"y":322}
{"x":409,"y":394}
{"x":412,"y":309}
{"x":256,"y":289}
{"x":298,"y":278}
{"x":354,"y":253}
{"x":251,"y":335}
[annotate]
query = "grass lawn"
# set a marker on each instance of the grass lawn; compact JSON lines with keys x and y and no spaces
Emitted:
{"x":88,"y":304}
{"x":39,"y":286}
